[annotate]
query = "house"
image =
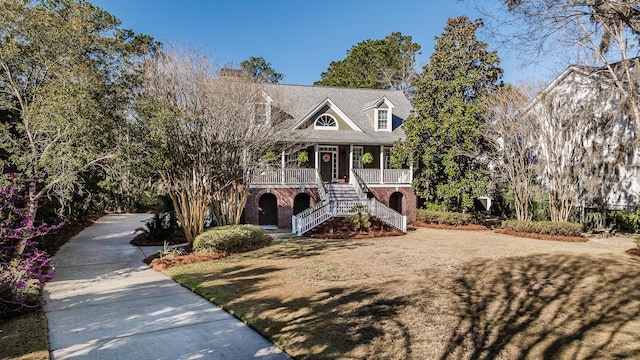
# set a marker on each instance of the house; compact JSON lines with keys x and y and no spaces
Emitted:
{"x":581,"y":117}
{"x":347,"y":135}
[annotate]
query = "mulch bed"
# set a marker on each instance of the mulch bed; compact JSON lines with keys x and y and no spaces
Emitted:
{"x":633,"y":251}
{"x":55,"y":239}
{"x":341,"y":228}
{"x":144,"y":240}
{"x":543,"y":237}
{"x":158,"y":263}
{"x":447,"y":227}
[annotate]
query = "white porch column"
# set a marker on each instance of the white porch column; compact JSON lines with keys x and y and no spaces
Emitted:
{"x":381,"y":164}
{"x":316,"y":152}
{"x":282,"y":157}
{"x":350,"y":158}
{"x":411,"y":174}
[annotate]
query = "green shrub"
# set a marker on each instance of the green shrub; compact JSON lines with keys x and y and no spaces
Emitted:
{"x":445,"y":217}
{"x":626,"y":221}
{"x":544,"y":227}
{"x":361,"y":219}
{"x":231,"y":238}
{"x":162,"y":226}
{"x":594,"y":220}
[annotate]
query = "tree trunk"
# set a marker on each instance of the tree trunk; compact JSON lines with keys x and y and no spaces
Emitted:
{"x":32,"y":209}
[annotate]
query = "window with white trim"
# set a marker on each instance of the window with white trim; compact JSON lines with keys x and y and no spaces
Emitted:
{"x":383,"y":119}
{"x":387,"y":158}
{"x":261,"y":113}
{"x":325,"y":122}
{"x":358,"y":151}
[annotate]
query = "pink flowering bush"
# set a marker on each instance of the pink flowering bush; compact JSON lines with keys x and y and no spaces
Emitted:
{"x":21,"y":282}
{"x":23,"y":267}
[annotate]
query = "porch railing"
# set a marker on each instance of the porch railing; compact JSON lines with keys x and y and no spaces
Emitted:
{"x":323,"y":211}
{"x":385,"y":176}
{"x":358,"y":184}
{"x":285,"y":176}
{"x":388,"y":215}
{"x":306,"y":221}
{"x":321,"y":190}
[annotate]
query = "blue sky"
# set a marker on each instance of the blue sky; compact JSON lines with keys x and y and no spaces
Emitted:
{"x":299,"y":38}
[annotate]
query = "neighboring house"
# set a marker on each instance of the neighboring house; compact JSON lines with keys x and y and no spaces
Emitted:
{"x":339,"y":130}
{"x":581,"y":118}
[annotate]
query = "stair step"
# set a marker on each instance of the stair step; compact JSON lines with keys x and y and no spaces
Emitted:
{"x":341,"y":192}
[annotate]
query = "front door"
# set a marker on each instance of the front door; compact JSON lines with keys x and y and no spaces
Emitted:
{"x":326,"y":166}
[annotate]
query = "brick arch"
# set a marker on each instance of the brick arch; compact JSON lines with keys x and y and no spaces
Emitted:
{"x":268,"y":209}
{"x":301,"y":201}
{"x":408,"y":199}
{"x":397,"y":201}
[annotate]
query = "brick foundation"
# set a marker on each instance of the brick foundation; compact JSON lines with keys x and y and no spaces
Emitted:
{"x":409,"y":200}
{"x":284,"y":196}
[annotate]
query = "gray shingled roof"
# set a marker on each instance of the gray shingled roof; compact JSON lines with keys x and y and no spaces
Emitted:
{"x":299,"y":100}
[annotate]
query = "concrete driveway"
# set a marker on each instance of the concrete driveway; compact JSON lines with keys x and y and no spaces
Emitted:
{"x":104,"y":303}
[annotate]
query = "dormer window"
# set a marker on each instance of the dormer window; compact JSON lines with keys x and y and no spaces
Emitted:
{"x":325,"y":122}
{"x":262,"y":109}
{"x":262,"y":113}
{"x":382,"y":110}
{"x":383,"y":119}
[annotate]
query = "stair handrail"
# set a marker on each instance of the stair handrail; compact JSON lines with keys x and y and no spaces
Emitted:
{"x":313,"y":208}
{"x":321,"y":189}
{"x":322,"y":211}
{"x":388,"y":215}
{"x":326,"y":209}
{"x":302,"y":223}
{"x":359,"y":185}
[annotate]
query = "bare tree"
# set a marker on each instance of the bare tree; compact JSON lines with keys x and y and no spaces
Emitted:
{"x":603,"y":33}
{"x":207,"y":135}
{"x":511,"y":133}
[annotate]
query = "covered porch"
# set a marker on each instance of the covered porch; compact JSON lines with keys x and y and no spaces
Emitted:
{"x":333,"y":164}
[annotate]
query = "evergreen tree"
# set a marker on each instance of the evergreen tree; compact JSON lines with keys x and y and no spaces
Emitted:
{"x":444,"y":133}
{"x":67,"y":78}
{"x":260,"y":69}
{"x":376,"y":64}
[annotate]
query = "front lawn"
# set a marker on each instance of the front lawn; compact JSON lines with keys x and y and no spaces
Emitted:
{"x":24,"y":337}
{"x":433,"y":294}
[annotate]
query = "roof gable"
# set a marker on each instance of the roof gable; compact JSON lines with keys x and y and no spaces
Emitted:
{"x":316,"y":111}
{"x":377,"y":102}
{"x":303,"y":104}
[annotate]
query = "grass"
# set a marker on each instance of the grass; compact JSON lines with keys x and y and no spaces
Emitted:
{"x":24,"y":337}
{"x":433,"y":294}
{"x":278,"y":231}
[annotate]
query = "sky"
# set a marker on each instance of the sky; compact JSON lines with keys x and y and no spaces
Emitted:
{"x":301,"y":38}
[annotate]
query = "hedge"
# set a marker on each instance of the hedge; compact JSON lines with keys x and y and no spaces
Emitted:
{"x":231,"y":238}
{"x":626,"y":221}
{"x":544,"y":227}
{"x":445,"y":218}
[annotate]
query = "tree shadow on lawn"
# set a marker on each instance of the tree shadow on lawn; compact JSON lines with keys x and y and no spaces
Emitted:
{"x":537,"y":307}
{"x":547,"y":307}
{"x":306,"y":247}
{"x":329,"y":324}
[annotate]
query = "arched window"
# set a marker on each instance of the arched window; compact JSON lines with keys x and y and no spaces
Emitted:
{"x":325,"y":122}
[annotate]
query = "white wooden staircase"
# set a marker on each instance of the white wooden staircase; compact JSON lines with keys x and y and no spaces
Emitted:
{"x":341,"y":192}
{"x":338,"y":200}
